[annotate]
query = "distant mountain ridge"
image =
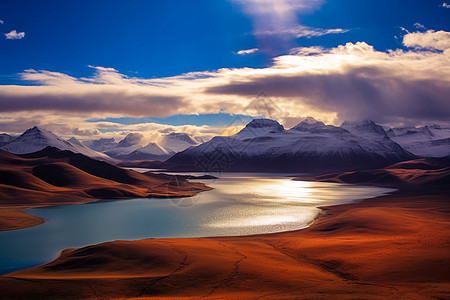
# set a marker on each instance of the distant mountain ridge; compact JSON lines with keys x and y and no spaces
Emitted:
{"x":262,"y":145}
{"x":102,"y":144}
{"x":427,"y":141}
{"x":309,"y":146}
{"x":133,"y":147}
{"x":36,"y":139}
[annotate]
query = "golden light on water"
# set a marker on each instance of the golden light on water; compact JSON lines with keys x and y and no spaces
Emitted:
{"x":271,"y":204}
{"x":262,"y":220}
{"x":289,"y":190}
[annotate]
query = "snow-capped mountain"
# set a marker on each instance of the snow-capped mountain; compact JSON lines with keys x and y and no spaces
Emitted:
{"x":427,"y":141}
{"x":135,"y":147}
{"x":102,"y":144}
{"x":259,"y":127}
{"x":36,"y":139}
{"x":311,"y":145}
{"x":81,"y":148}
{"x":310,"y":125}
{"x":151,"y":151}
{"x":131,"y":140}
{"x":177,"y":141}
{"x":371,"y":131}
{"x":130,"y":143}
{"x":366,"y":128}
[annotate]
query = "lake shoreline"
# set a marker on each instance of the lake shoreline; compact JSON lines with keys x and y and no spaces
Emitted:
{"x":238,"y":205}
{"x":389,"y":246}
{"x":14,"y":217}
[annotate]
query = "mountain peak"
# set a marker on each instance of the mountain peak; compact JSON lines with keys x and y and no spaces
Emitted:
{"x":130,"y":140}
{"x":259,"y":127}
{"x":310,"y":120}
{"x":309,"y":124}
{"x":365,"y":127}
{"x":264,"y":123}
{"x":35,"y":139}
{"x":33,"y":129}
{"x":39,"y":133}
{"x":180,"y":136}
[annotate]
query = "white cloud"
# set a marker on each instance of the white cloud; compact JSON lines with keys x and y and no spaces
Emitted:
{"x":1,"y":22}
{"x":305,"y":51}
{"x":249,"y":51}
{"x":439,"y":40}
{"x":305,"y":31}
{"x":14,"y":35}
{"x":350,"y":81}
{"x":445,"y":5}
{"x":76,"y":126}
{"x":419,"y":26}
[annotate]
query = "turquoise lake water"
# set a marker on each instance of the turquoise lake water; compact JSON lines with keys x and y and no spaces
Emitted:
{"x":240,"y":204}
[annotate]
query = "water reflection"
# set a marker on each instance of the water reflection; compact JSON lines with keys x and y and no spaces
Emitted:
{"x":240,"y":204}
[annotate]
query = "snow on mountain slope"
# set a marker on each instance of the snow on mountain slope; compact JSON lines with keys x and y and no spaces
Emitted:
{"x":102,"y":144}
{"x":36,"y":139}
{"x":75,"y":142}
{"x":176,"y":142}
{"x":130,"y":143}
{"x":153,"y":148}
{"x":428,"y":141}
{"x":81,"y":148}
{"x":5,"y":138}
{"x":259,"y":127}
{"x":151,"y":151}
{"x":367,"y":128}
{"x":371,"y":131}
{"x":130,"y":140}
{"x":202,"y":139}
{"x":135,"y":147}
{"x":311,"y":125}
{"x":310,"y":145}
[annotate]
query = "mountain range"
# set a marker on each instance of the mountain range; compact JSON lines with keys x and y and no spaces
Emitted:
{"x":263,"y":145}
{"x":427,"y":141}
{"x":132,"y":147}
{"x":35,"y":139}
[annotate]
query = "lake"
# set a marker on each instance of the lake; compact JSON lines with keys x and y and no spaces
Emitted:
{"x":240,"y":204}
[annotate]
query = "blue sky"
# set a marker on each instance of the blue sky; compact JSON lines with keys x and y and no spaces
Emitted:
{"x":165,"y":38}
{"x":155,"y":39}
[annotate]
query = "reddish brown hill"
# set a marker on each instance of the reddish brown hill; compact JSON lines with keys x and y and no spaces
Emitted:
{"x":391,"y":247}
{"x":428,"y":172}
{"x":55,"y":176}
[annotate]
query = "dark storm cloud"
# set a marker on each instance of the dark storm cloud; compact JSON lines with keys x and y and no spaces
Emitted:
{"x":368,"y":93}
{"x":99,"y":100}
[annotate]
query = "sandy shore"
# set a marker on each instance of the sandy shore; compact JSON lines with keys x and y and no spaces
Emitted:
{"x":53,"y":177}
{"x":392,"y":247}
{"x":12,"y":218}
